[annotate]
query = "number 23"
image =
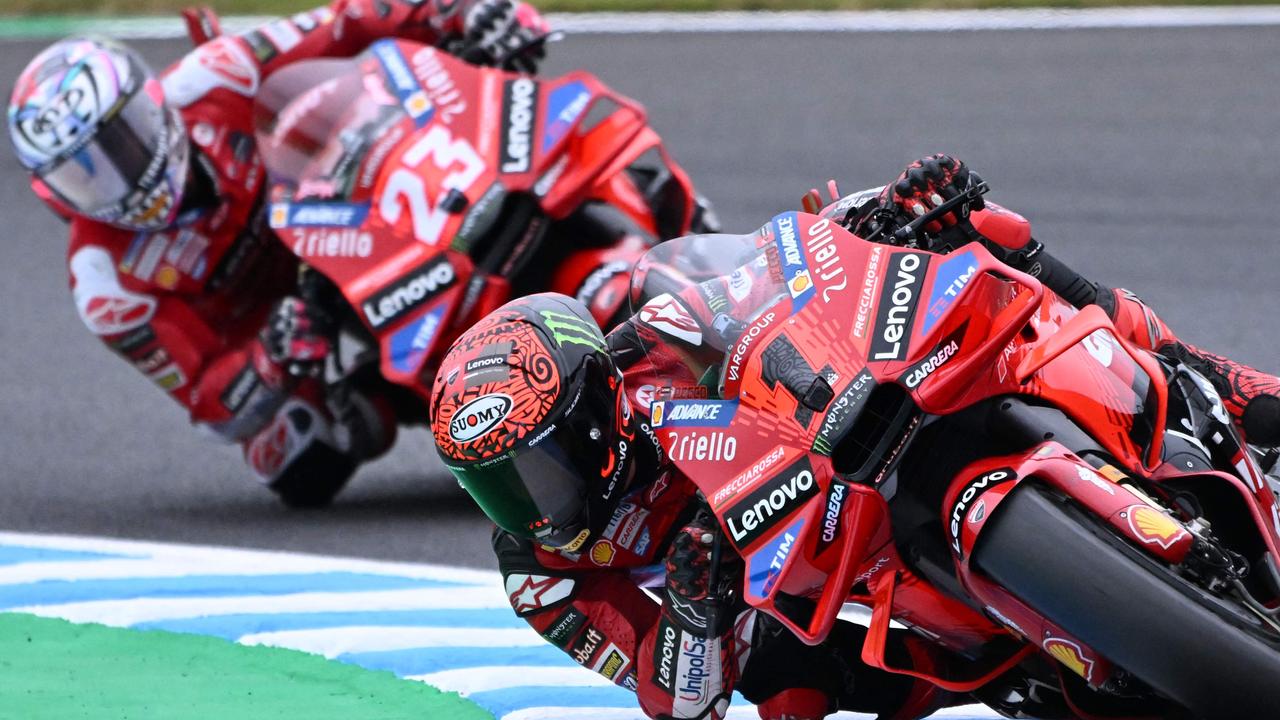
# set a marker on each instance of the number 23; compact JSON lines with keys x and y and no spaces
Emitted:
{"x":428,"y":219}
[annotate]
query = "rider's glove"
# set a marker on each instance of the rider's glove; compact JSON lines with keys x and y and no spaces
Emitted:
{"x":502,"y":33}
{"x":294,"y":338}
{"x":698,"y":593}
{"x":927,"y":183}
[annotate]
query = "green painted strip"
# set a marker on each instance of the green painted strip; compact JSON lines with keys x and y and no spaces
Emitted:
{"x":54,"y":670}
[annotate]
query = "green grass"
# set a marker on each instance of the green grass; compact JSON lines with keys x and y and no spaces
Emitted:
{"x":282,"y":7}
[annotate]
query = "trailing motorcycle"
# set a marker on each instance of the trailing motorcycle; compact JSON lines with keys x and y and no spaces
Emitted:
{"x":941,"y":440}
{"x":421,"y":192}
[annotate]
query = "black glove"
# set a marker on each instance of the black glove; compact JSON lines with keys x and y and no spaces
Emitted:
{"x":700,"y":588}
{"x":506,"y":33}
{"x":925,"y":184}
{"x":295,"y":337}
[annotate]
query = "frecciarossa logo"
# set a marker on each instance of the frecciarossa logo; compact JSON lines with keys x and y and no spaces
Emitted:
{"x":897,"y":309}
{"x":409,"y":292}
{"x":772,"y":502}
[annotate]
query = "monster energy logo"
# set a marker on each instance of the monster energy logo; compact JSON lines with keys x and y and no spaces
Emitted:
{"x":571,"y":329}
{"x":822,"y":446}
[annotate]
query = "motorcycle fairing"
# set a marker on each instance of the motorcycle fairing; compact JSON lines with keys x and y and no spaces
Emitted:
{"x":403,"y":157}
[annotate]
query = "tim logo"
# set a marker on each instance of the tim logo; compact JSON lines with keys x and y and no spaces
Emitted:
{"x":478,"y":417}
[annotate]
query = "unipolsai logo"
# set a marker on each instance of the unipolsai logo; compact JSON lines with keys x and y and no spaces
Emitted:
{"x":479,"y":416}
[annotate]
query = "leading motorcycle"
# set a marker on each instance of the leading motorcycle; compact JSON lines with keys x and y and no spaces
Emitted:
{"x":944,"y":442}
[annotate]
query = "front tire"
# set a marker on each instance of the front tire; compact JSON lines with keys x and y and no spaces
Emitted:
{"x":1207,"y":653}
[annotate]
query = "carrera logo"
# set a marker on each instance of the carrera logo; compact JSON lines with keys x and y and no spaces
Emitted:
{"x":831,"y":520}
{"x":916,"y":375}
{"x":422,"y":284}
{"x":966,"y":498}
{"x":519,"y":100}
{"x":898,"y":300}
{"x":773,"y":501}
{"x":478,"y":417}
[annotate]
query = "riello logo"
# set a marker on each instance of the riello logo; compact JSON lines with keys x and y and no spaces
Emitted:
{"x":478,"y":417}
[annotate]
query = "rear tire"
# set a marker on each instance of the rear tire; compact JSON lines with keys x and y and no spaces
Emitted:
{"x":1206,"y":653}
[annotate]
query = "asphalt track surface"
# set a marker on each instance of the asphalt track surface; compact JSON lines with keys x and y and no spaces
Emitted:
{"x":1145,"y":157}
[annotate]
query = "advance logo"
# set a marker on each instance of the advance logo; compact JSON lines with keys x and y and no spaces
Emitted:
{"x":771,"y":503}
{"x":693,"y":413}
{"x":413,"y":290}
{"x":479,"y":416}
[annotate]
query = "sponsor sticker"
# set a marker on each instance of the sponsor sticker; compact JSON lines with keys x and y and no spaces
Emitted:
{"x":602,"y":553}
{"x":749,"y":477}
{"x":478,"y":417}
{"x":831,"y":515}
{"x":408,"y":293}
{"x":705,"y":446}
{"x":585,"y":647}
{"x":693,"y":413}
{"x":966,"y":499}
{"x":519,"y":115}
{"x":825,"y":260}
{"x":898,"y":300}
{"x":766,"y":564}
{"x":528,"y":593}
{"x":953,"y":276}
{"x":403,"y":80}
{"x":766,"y":506}
{"x":564,"y":106}
{"x":795,"y":269}
{"x":317,"y":214}
{"x":565,"y":627}
{"x":664,"y":656}
{"x":612,"y":661}
{"x":409,"y":345}
{"x":843,"y":412}
{"x":1069,"y":654}
{"x":1154,"y":527}
{"x":941,"y":355}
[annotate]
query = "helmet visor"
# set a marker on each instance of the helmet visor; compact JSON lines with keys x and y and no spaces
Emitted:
{"x":128,"y":154}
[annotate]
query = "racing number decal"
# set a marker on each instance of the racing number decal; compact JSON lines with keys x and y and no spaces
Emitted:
{"x":446,"y":152}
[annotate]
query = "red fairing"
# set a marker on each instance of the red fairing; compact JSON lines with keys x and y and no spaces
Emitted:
{"x":1002,"y":226}
{"x":599,"y":278}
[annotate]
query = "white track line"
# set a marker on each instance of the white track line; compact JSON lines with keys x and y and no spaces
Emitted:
{"x":122,"y":613}
{"x":332,"y":642}
{"x":757,"y":22}
{"x":205,"y":559}
{"x":501,"y":677}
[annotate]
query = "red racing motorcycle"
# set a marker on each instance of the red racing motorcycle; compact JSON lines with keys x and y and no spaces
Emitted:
{"x":942,"y":440}
{"x":421,"y":192}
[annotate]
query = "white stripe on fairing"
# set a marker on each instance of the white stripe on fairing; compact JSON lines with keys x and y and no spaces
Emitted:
{"x":332,"y":642}
{"x":500,"y":677}
{"x":122,"y":613}
{"x":206,"y":560}
{"x":755,"y":22}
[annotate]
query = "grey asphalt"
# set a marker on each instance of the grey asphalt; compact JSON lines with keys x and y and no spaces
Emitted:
{"x":1146,"y":157}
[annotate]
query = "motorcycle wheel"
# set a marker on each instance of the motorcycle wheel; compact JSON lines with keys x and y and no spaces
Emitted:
{"x":1210,"y":654}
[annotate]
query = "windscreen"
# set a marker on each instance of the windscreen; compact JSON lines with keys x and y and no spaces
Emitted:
{"x":700,"y":296}
{"x":318,"y":119}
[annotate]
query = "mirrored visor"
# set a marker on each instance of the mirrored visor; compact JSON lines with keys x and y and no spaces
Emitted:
{"x":127,"y":153}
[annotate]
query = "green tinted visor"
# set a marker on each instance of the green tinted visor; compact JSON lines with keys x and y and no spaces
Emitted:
{"x":540,"y":491}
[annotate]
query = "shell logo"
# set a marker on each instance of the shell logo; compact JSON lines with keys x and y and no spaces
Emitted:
{"x":800,"y":283}
{"x":602,"y":552}
{"x":1154,"y":527}
{"x":1070,"y":655}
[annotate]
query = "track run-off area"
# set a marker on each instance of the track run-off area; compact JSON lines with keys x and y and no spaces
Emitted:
{"x":451,"y":629}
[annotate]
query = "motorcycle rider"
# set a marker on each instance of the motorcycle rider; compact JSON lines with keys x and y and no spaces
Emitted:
{"x":171,"y":261}
{"x":545,"y":422}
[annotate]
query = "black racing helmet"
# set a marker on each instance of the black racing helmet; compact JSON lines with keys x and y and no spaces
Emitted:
{"x":529,"y":415}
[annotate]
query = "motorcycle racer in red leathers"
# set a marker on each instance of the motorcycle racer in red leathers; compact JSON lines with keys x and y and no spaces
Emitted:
{"x":171,"y":261}
{"x":546,"y":423}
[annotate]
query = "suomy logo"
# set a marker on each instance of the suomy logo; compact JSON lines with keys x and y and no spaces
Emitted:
{"x":773,"y":501}
{"x":898,"y":302}
{"x":478,"y":417}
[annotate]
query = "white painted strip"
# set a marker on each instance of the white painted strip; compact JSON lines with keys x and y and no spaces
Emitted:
{"x":757,"y":21}
{"x":205,"y":559}
{"x":332,"y":642}
{"x":500,"y":677}
{"x":123,"y":613}
{"x":736,"y":712}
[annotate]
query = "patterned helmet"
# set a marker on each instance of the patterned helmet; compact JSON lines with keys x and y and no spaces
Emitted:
{"x":529,"y":415}
{"x":88,"y":118}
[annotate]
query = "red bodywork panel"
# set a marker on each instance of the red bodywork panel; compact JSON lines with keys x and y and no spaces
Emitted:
{"x":458,"y":140}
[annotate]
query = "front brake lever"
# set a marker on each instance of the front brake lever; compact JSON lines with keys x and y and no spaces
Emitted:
{"x":973,"y":194}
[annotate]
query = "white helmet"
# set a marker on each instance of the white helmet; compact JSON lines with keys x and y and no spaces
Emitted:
{"x":88,"y":118}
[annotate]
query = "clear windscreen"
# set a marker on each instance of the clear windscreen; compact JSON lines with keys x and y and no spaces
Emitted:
{"x":700,"y":295}
{"x":317,"y":120}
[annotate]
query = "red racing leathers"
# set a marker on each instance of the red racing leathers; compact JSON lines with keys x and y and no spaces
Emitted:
{"x":185,"y":305}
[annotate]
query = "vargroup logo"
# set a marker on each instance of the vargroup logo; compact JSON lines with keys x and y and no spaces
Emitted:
{"x":767,"y":506}
{"x":479,"y":416}
{"x":519,"y":105}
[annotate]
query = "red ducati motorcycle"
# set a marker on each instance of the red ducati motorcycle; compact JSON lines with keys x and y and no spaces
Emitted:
{"x":422,"y":192}
{"x":942,"y":440}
